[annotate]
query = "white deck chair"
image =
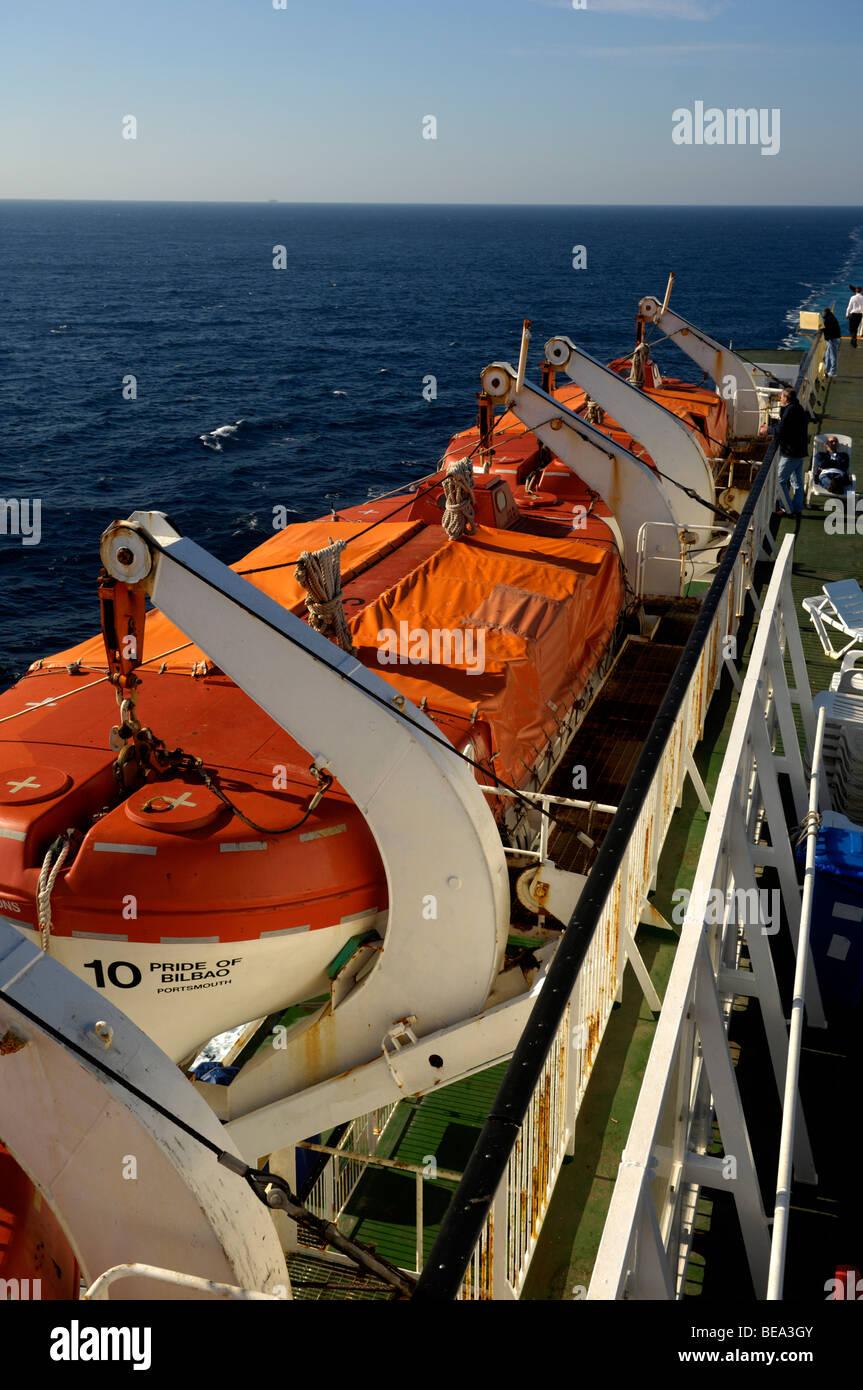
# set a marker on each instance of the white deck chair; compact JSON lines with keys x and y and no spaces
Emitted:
{"x":840,"y":606}
{"x":849,"y":678}
{"x":812,"y":490}
{"x":842,"y":750}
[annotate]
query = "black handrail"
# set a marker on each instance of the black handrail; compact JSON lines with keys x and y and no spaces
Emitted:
{"x":462,"y":1226}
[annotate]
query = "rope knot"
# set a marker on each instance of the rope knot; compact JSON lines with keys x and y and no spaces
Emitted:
{"x":639,"y":365}
{"x":458,"y":515}
{"x":319,"y":572}
{"x":55,"y":856}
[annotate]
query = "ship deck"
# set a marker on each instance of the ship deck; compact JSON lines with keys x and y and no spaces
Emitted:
{"x":826,"y":1226}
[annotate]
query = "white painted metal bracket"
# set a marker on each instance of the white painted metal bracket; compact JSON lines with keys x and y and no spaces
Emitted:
{"x":737,"y":381}
{"x":669,"y":443}
{"x":435,"y":833}
{"x":633,"y":491}
{"x":127,"y":1185}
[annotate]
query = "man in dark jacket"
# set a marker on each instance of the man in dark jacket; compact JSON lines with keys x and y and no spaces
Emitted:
{"x":832,"y":334}
{"x":792,"y":441}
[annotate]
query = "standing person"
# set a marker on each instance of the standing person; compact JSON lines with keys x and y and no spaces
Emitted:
{"x":854,"y":313}
{"x":791,"y":432}
{"x":832,"y":334}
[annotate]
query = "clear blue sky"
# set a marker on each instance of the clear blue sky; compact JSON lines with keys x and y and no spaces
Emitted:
{"x":323,"y":101}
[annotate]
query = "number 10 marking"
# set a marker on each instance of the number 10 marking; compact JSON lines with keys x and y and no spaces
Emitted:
{"x":113,"y":969}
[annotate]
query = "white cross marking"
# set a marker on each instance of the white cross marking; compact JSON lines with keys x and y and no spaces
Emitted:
{"x":19,"y":786}
{"x":37,"y":704}
{"x":181,"y":800}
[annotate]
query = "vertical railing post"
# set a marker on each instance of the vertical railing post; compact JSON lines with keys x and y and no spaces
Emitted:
{"x":573,"y":1070}
{"x":501,"y":1289}
{"x":419,"y":1221}
{"x":731,"y":1119}
{"x":329,"y":1191}
{"x":283,"y":1164}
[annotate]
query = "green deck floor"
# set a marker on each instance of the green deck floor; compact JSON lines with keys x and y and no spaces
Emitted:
{"x":445,"y":1124}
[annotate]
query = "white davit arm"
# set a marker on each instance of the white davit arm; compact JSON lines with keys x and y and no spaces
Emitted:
{"x":737,"y":382}
{"x":74,"y":1129}
{"x":433,"y":827}
{"x":669,"y":443}
{"x":632,"y":490}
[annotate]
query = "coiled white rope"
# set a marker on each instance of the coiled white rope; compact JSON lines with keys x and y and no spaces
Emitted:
{"x":639,"y":361}
{"x":47,"y":877}
{"x":594,"y":413}
{"x":320,"y":573}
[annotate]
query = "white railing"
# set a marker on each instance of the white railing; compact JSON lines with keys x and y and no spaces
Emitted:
{"x":536,"y":1160}
{"x":544,"y":802}
{"x":790,"y":1109}
{"x":98,"y":1290}
{"x":360,"y":1162}
{"x":334,"y":1188}
{"x":690,"y":1074}
{"x":689,"y":556}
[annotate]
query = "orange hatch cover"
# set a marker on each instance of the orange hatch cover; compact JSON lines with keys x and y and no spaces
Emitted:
{"x":534,"y":615}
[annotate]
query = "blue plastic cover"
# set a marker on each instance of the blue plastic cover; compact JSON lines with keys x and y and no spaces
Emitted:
{"x":838,"y":852}
{"x":214,"y":1074}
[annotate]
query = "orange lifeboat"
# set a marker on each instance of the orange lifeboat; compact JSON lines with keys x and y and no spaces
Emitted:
{"x":223,"y":898}
{"x":702,"y":411}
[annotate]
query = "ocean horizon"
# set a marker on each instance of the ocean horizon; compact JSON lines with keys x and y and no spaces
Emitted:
{"x":155,"y":357}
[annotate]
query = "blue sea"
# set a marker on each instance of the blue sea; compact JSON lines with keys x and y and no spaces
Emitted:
{"x":257,"y":387}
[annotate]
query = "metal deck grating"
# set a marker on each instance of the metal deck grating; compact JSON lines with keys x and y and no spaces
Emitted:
{"x":319,"y":1279}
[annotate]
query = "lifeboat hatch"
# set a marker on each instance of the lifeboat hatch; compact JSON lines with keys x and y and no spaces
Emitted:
{"x":174,"y":806}
{"x":23,"y":786}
